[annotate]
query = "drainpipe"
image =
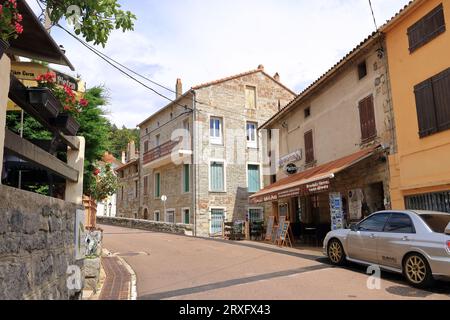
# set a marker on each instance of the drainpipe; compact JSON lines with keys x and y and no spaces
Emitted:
{"x":194,"y":161}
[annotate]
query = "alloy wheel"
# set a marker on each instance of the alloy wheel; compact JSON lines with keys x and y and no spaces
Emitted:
{"x":416,"y":269}
{"x":335,"y":252}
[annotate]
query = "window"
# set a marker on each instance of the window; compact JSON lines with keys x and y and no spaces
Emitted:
{"x":186,"y":216}
{"x":367,"y":119}
{"x":252,"y":134}
{"x":436,"y":222}
{"x":136,"y":188}
{"x":362,"y":70}
{"x":217,"y":177}
{"x":157,"y":140}
{"x":216,"y":224}
{"x":146,"y":186}
{"x":250,"y":97}
{"x":157,"y":216}
{"x":255,"y":215}
{"x":216,"y":130}
{"x":399,"y":223}
{"x":186,"y":178}
{"x":307,"y":112}
{"x":273,"y":178}
{"x":426,"y":29}
{"x":157,"y":185}
{"x":253,"y":178}
{"x":170,"y":216}
{"x":374,"y":223}
{"x":438,"y":201}
{"x":145,"y":146}
{"x":309,"y":147}
{"x":186,"y":135}
{"x":433,"y":104}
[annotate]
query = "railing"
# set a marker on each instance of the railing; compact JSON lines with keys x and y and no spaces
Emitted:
{"x":161,"y":151}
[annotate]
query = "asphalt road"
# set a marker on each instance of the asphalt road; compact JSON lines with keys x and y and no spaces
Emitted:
{"x":177,"y":267}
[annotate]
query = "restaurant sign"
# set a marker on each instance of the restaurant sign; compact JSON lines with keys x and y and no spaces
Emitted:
{"x":312,"y":188}
{"x":292,"y":157}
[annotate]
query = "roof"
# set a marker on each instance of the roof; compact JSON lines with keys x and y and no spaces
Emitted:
{"x":35,"y":42}
{"x":322,"y":172}
{"x":128,"y":164}
{"x":215,"y":82}
{"x":365,"y":43}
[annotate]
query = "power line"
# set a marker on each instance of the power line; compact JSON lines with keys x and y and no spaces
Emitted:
{"x":107,"y":60}
{"x":373,"y":15}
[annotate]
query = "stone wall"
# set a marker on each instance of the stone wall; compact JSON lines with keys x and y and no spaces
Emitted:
{"x":183,"y":229}
{"x":37,"y":239}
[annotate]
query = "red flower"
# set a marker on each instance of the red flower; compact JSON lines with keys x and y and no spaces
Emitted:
{"x":67,"y":108}
{"x":19,"y":28}
{"x":96,"y":172}
{"x":1,"y":9}
{"x":19,"y":17}
{"x":84,"y":102}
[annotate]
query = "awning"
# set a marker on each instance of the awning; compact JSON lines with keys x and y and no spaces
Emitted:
{"x":35,"y":42}
{"x":311,"y":181}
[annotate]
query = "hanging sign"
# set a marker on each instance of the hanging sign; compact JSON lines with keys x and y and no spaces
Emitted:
{"x":292,"y":157}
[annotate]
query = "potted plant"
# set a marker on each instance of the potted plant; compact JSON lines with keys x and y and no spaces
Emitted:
{"x":42,"y":97}
{"x":10,"y":27}
{"x":69,"y":106}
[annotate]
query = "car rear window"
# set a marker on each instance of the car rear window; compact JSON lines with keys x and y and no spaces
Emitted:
{"x":436,"y":222}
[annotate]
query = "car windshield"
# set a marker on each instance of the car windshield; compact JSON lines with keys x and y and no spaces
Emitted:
{"x":436,"y":222}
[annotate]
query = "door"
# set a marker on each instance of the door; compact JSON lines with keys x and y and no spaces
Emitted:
{"x":362,"y":243}
{"x":395,"y":241}
{"x":216,"y":224}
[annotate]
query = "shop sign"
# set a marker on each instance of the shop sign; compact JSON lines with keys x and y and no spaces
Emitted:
{"x":292,"y":157}
{"x":318,"y":186}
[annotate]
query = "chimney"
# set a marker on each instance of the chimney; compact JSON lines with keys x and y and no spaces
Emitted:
{"x":131,"y":151}
{"x":261,"y":67}
{"x":277,"y":77}
{"x":179,"y":88}
{"x":124,"y":159}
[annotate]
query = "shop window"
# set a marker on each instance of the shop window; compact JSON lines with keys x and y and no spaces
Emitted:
{"x":216,"y":130}
{"x":217,"y":177}
{"x":426,"y":29}
{"x":362,"y":70}
{"x":250,"y":97}
{"x":253,"y":178}
{"x":433,"y":104}
{"x":255,"y":214}
{"x":309,"y":147}
{"x":367,"y":119}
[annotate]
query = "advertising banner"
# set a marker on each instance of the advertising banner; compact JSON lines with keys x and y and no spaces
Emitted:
{"x":337,"y":212}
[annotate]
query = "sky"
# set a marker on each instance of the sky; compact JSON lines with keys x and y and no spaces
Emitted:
{"x":204,"y":40}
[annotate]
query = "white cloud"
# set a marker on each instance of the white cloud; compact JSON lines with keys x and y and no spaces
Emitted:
{"x":200,"y":40}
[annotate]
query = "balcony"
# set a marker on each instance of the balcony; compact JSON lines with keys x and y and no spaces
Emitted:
{"x":170,"y":152}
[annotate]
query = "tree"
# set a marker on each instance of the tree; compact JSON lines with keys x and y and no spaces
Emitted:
{"x":95,"y":19}
{"x":120,"y":139}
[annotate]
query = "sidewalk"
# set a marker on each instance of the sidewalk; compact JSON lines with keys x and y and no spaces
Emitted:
{"x":117,"y":284}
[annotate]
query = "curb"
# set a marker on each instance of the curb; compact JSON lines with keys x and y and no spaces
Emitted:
{"x":132,"y":295}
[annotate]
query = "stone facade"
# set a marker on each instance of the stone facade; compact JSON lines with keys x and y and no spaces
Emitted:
{"x":128,"y":194}
{"x":37,"y":239}
{"x":177,"y":228}
{"x":224,"y":99}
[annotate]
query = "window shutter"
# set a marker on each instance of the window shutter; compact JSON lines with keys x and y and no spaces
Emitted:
{"x":217,"y":177}
{"x":367,"y":118}
{"x":186,"y":176}
{"x":427,"y":28}
{"x":425,"y":108}
{"x":441,"y":94}
{"x":145,"y":186}
{"x":254,"y":183}
{"x":309,"y":147}
{"x":157,"y":185}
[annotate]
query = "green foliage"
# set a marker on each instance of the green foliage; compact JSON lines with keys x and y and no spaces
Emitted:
{"x":120,"y":139}
{"x":32,"y":130}
{"x":96,"y":20}
{"x":105,"y":185}
{"x":10,"y":20}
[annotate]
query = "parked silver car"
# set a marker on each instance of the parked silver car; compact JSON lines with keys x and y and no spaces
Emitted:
{"x":415,"y":243}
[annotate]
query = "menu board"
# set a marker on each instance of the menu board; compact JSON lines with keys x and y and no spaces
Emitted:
{"x":337,"y":212}
{"x":269,"y":230}
{"x":284,"y":231}
{"x":280,"y":227}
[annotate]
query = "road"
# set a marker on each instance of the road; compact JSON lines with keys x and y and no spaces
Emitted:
{"x":177,"y":267}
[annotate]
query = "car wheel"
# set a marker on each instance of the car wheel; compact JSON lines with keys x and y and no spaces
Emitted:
{"x":336,"y":252}
{"x":417,"y":270}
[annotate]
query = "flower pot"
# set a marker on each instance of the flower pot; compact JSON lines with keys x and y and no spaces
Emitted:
{"x":4,"y":45}
{"x":43,"y":100}
{"x":66,"y":123}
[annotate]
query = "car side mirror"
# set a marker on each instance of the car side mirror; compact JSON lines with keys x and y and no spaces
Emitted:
{"x":447,"y":229}
{"x":354,"y":227}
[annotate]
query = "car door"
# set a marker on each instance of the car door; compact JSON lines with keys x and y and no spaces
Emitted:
{"x":362,"y":243}
{"x":396,"y":239}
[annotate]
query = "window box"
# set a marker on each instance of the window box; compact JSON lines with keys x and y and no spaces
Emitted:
{"x":66,"y":123}
{"x":3,"y":47}
{"x":43,"y":100}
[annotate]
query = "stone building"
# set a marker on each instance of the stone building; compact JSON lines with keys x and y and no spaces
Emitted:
{"x":328,"y":148}
{"x":127,"y":197}
{"x":203,"y":152}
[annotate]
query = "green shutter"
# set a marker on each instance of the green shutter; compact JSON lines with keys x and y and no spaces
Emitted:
{"x":186,"y":176}
{"x":157,"y":185}
{"x":254,"y":182}
{"x":217,"y":177}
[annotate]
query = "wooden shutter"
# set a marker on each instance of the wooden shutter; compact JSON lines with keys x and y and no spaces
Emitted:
{"x":426,"y":114}
{"x":427,"y":28}
{"x":145,"y":186}
{"x":146,"y":146}
{"x":441,"y":94}
{"x":309,"y":147}
{"x":367,"y":119}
